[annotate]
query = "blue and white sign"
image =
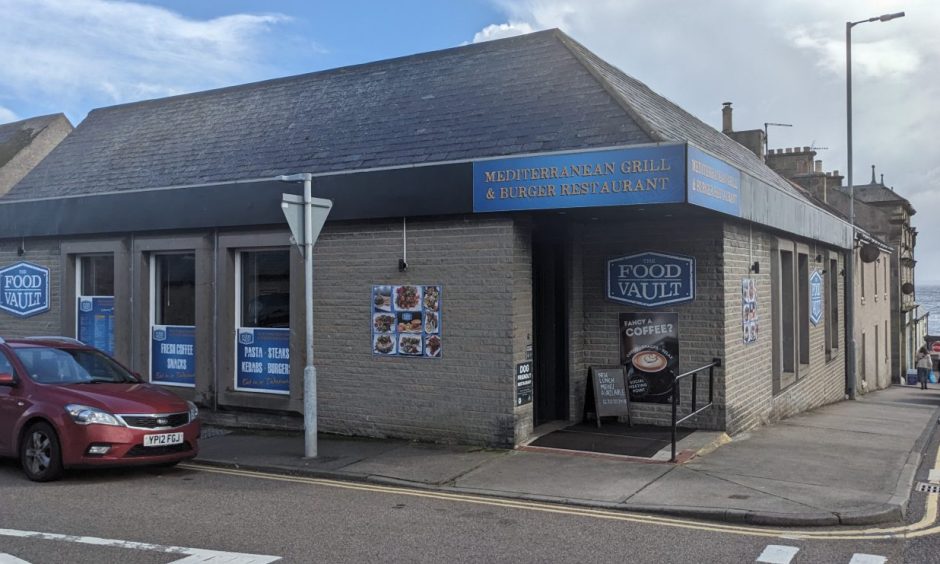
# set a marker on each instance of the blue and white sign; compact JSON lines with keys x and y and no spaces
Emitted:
{"x":651,"y":279}
{"x":613,"y":177}
{"x":815,"y":297}
{"x":96,"y":322}
{"x":263,"y":359}
{"x":713,"y":183}
{"x":173,"y":355}
{"x":24,"y":289}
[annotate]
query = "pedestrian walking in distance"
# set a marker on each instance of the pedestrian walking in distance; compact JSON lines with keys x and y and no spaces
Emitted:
{"x":924,"y":366}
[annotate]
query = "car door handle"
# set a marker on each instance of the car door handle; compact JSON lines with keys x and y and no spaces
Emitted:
{"x":20,"y":404}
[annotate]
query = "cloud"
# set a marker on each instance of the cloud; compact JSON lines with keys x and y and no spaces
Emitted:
{"x":7,"y":115}
{"x":785,"y":62}
{"x":500,"y":31}
{"x":80,"y":53}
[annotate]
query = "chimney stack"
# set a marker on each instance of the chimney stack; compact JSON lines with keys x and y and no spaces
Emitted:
{"x":726,"y":118}
{"x":872,"y":174}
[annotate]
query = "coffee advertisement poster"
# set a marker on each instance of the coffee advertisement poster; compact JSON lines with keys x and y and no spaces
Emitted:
{"x":649,"y":352}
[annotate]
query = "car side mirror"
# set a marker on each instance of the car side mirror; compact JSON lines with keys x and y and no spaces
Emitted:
{"x":7,"y":379}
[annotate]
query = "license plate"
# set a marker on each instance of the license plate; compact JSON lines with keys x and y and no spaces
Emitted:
{"x":163,"y":439}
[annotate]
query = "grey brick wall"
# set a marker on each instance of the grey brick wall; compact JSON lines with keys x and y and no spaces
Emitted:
{"x":522,"y":318}
{"x":467,"y":395}
{"x":45,"y":253}
{"x":701,"y":322}
{"x":750,"y":400}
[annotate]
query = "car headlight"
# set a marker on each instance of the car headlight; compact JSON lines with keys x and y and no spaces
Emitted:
{"x":193,"y":411}
{"x":84,"y":415}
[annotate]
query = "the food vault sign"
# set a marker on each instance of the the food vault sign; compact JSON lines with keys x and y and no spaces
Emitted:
{"x":651,"y":279}
{"x":24,"y":289}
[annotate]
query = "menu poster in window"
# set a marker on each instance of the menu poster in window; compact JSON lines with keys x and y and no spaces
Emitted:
{"x":649,"y":350}
{"x":96,"y":322}
{"x":406,"y":321}
{"x":749,"y":320}
{"x":263,"y":360}
{"x":173,"y":354}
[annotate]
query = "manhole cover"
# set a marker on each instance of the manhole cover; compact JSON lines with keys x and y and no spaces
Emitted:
{"x":929,"y":488}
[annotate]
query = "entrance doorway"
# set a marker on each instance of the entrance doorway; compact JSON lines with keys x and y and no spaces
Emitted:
{"x":550,"y":320}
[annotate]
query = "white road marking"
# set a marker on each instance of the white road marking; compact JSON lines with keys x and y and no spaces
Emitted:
{"x":867,"y":559}
{"x":10,"y":559}
{"x":193,"y":554}
{"x":778,"y":554}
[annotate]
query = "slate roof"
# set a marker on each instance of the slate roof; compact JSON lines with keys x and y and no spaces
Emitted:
{"x":17,"y":135}
{"x":539,"y":92}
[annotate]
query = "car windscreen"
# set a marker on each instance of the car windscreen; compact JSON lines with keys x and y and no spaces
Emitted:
{"x":49,"y":365}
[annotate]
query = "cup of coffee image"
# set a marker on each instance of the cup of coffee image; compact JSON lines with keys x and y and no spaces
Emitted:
{"x":649,"y":361}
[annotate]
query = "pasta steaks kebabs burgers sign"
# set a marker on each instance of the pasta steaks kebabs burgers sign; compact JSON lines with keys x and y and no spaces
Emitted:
{"x":406,"y":321}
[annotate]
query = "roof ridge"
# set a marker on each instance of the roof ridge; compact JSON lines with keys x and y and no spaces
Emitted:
{"x":326,"y":72}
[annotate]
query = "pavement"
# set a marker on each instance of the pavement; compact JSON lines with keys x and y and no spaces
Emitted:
{"x":849,"y":463}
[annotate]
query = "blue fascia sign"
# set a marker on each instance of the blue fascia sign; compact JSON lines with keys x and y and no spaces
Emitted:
{"x":713,"y":184}
{"x":651,"y":279}
{"x":611,"y":177}
{"x":24,"y":289}
{"x":815,"y":297}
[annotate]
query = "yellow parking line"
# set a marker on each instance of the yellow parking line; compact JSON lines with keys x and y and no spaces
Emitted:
{"x":923,"y":527}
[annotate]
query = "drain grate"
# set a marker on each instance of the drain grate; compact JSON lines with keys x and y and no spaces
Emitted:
{"x":929,"y":488}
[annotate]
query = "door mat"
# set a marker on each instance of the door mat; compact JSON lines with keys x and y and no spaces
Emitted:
{"x":612,"y":438}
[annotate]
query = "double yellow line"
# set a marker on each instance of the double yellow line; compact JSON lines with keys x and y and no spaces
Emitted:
{"x":926,"y":526}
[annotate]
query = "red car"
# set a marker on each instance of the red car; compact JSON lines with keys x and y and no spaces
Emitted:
{"x":64,"y":404}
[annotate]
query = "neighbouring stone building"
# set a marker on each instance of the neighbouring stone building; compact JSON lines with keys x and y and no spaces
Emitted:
{"x":24,"y":143}
{"x":506,"y":215}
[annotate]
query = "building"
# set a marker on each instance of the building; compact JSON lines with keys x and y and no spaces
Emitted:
{"x":893,"y":225}
{"x":874,"y":312}
{"x":506,"y":215}
{"x":24,"y":143}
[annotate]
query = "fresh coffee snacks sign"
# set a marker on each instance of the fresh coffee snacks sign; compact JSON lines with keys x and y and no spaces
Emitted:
{"x":651,"y":279}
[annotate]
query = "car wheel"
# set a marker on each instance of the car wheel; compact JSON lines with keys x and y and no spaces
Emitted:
{"x":40,"y":454}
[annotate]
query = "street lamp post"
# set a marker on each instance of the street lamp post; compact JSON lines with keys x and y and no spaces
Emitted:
{"x":850,"y":263}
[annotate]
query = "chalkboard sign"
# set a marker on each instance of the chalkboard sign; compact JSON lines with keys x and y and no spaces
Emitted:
{"x":609,"y":392}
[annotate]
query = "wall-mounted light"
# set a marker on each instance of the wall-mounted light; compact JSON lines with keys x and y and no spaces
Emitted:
{"x":755,"y":268}
{"x":818,"y":258}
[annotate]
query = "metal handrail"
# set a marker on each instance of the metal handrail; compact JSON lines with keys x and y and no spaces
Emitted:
{"x":715,"y":363}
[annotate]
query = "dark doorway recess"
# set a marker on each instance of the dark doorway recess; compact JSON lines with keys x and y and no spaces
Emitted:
{"x":613,"y":438}
{"x":550,"y":318}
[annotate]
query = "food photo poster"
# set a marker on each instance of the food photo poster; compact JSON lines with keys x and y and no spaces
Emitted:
{"x":749,"y":319}
{"x":406,"y":321}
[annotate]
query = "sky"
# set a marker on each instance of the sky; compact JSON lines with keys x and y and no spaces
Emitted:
{"x":778,"y":61}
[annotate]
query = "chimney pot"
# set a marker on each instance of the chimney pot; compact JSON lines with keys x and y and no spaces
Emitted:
{"x":818,"y":166}
{"x":806,"y":149}
{"x":789,"y":150}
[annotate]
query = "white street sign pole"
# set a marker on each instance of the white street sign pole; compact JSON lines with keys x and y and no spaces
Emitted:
{"x":315,"y":211}
{"x":310,"y":371}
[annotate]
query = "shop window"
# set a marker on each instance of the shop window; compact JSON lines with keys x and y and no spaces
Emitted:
{"x":173,"y":326}
{"x":263,"y":321}
{"x":833,"y":321}
{"x":863,"y":372}
{"x":877,"y":354}
{"x":803,"y":306}
{"x":886,"y":340}
{"x":787,"y":325}
{"x":861,"y":279}
{"x":95,"y":307}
